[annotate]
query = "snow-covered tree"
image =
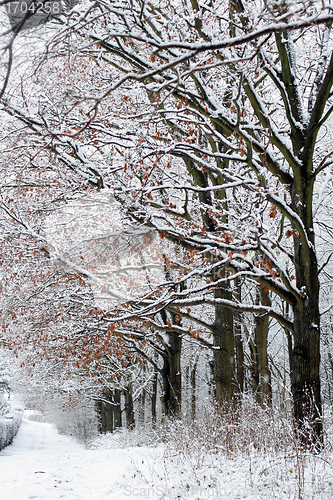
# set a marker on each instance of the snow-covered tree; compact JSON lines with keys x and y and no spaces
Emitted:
{"x":208,"y":122}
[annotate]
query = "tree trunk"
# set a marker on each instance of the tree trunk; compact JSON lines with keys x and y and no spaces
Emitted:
{"x":117,"y":408}
{"x":99,"y":411}
{"x":142,"y":406}
{"x":264,"y":392}
{"x":305,"y":379}
{"x":129,"y":409}
{"x":193,"y":389}
{"x":109,"y":408}
{"x":165,"y":398}
{"x":224,"y":357}
{"x":171,"y":399}
{"x":255,"y":366}
{"x":175,"y":403}
{"x":154,"y":398}
{"x":171,"y":374}
{"x":105,"y":412}
{"x":239,"y":343}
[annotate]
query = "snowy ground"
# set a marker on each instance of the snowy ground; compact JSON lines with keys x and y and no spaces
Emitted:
{"x":41,"y":464}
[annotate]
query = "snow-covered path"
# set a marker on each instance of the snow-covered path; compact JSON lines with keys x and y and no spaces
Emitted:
{"x":43,"y":465}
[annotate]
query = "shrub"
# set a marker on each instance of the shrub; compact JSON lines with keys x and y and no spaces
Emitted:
{"x":10,"y":420}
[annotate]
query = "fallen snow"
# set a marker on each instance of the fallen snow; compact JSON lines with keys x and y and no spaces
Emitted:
{"x":42,"y":464}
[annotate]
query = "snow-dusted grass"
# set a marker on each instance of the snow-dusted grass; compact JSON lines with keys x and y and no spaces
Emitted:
{"x":245,"y":452}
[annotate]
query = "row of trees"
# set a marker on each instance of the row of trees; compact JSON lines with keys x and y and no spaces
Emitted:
{"x":204,"y":127}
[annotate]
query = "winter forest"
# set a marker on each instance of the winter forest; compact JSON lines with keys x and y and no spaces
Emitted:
{"x":166,"y":229}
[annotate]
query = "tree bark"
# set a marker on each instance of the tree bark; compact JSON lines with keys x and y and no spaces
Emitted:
{"x":239,"y":343}
{"x":224,"y":356}
{"x":171,"y":374}
{"x":264,"y":391}
{"x":117,"y":408}
{"x":142,"y":407}
{"x":105,"y":413}
{"x":255,"y":365}
{"x":305,"y":378}
{"x":129,"y":409}
{"x":193,"y":390}
{"x":154,"y":397}
{"x":165,"y":398}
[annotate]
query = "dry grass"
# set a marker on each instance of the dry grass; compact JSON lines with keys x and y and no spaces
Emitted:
{"x":243,"y":444}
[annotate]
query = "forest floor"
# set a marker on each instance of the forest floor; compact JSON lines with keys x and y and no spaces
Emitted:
{"x":42,"y":464}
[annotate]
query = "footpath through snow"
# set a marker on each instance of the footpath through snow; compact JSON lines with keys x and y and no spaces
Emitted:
{"x":41,"y":464}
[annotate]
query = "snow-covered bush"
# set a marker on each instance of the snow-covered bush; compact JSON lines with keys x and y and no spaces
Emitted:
{"x":124,"y":438}
{"x":77,"y":419}
{"x":11,"y":409}
{"x":10,"y":420}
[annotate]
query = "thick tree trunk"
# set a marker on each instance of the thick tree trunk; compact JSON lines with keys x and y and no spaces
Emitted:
{"x":108,"y":408}
{"x":172,"y":389}
{"x":305,"y":379}
{"x":223,"y":331}
{"x":224,"y":356}
{"x":105,"y":412}
{"x":129,"y":409}
{"x":165,"y":398}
